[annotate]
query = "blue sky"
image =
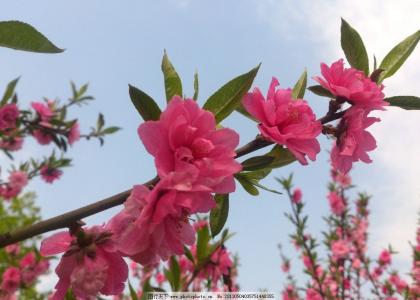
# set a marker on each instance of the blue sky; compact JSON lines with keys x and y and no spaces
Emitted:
{"x":110,"y":44}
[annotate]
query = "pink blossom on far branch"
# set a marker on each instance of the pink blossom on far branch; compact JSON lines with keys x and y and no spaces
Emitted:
{"x":285,"y":121}
{"x":42,"y":137}
{"x":9,"y":114}
{"x":91,"y":263}
{"x":49,"y":174}
{"x":10,"y":280}
{"x":186,"y":145}
{"x":337,"y":204}
{"x":297,"y":196}
{"x":74,"y":134}
{"x":43,"y":110}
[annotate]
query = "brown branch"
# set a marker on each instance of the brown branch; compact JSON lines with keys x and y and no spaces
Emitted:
{"x":69,"y":218}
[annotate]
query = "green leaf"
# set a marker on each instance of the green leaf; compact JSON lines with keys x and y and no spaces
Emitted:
{"x":398,"y":55}
{"x":111,"y":130}
{"x":225,"y":100}
{"x":281,"y":157}
{"x":196,"y":86}
{"x":353,"y":47}
{"x":266,"y":188}
{"x":188,"y":254}
{"x":133,"y":293}
{"x":176,"y":273}
{"x":219,"y":214}
{"x":247,"y":184}
{"x":21,"y":36}
{"x":144,"y":104}
{"x":203,"y":238}
{"x":10,"y":90}
{"x":257,"y":175}
{"x":257,"y":162}
{"x":69,"y":295}
{"x":173,"y":85}
{"x":320,"y":91}
{"x":405,"y":102}
{"x":299,"y":89}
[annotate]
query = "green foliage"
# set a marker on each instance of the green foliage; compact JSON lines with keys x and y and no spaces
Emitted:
{"x":226,"y":99}
{"x":203,"y":238}
{"x":145,"y":105}
{"x":405,"y":102}
{"x":257,"y":163}
{"x":299,"y":89}
{"x":21,"y":36}
{"x":353,"y":48}
{"x":133,"y":293}
{"x":398,"y":55}
{"x":319,"y":90}
{"x":196,"y":86}
{"x":10,"y":91}
{"x":173,"y":85}
{"x":219,"y":214}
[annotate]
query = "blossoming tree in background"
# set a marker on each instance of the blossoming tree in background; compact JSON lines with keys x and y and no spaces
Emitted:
{"x":197,"y":166}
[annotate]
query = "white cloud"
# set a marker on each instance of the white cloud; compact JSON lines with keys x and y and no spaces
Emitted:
{"x":382,"y":24}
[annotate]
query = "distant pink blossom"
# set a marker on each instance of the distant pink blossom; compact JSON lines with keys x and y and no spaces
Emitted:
{"x":43,"y":110}
{"x":9,"y":114}
{"x":42,"y":137}
{"x":18,"y":179}
{"x":285,"y":121}
{"x":352,"y":85}
{"x":353,"y":141}
{"x":337,"y":203}
{"x":344,"y":180}
{"x":49,"y":174}
{"x":10,"y":280}
{"x":340,"y":249}
{"x":160,"y":278}
{"x":154,"y":224}
{"x":297,"y":196}
{"x":385,"y":257}
{"x":312,"y":294}
{"x":187,"y":145}
{"x":12,"y":249}
{"x":74,"y":134}
{"x":89,"y":267}
{"x":11,"y":144}
{"x":219,"y":266}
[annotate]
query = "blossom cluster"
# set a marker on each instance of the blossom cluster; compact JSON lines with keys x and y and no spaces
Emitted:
{"x":29,"y":267}
{"x":291,"y":122}
{"x":347,"y":266}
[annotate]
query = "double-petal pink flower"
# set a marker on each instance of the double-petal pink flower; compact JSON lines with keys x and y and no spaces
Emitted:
{"x":285,"y":121}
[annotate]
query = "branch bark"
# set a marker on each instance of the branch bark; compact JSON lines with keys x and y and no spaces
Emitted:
{"x":67,"y":219}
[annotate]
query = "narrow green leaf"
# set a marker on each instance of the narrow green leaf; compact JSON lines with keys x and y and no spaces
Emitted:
{"x":398,"y":55}
{"x":353,"y":47}
{"x":173,"y":85}
{"x":266,"y":188}
{"x":247,"y":184}
{"x":176,"y":273}
{"x":405,"y":102}
{"x":10,"y":90}
{"x":111,"y":130}
{"x":299,"y":89}
{"x":225,"y":100}
{"x":257,"y":175}
{"x":321,"y":91}
{"x":281,"y":157}
{"x":375,"y":75}
{"x":188,"y":254}
{"x":69,"y":295}
{"x":21,"y":36}
{"x":219,"y":214}
{"x":133,"y":293}
{"x":196,"y":86}
{"x":257,"y":163}
{"x":144,"y":104}
{"x":203,"y":238}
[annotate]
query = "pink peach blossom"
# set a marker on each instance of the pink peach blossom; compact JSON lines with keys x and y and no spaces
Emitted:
{"x":74,"y":134}
{"x":285,"y":121}
{"x":43,"y":110}
{"x":352,"y":85}
{"x":297,"y":196}
{"x":42,"y":137}
{"x":10,"y":280}
{"x":11,"y":144}
{"x":337,"y":203}
{"x":154,"y":224}
{"x":340,"y":249}
{"x":91,"y":263}
{"x":9,"y":114}
{"x":49,"y":174}
{"x":354,"y":141}
{"x":187,"y":146}
{"x":385,"y":257}
{"x":18,"y":179}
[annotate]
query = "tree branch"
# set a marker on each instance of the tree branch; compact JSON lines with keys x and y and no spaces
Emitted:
{"x":69,"y":218}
